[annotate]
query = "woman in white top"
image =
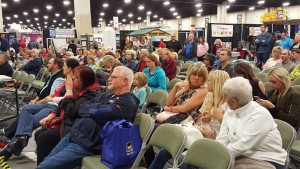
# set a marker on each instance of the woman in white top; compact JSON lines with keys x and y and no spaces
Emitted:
{"x":202,"y":48}
{"x":271,"y":62}
{"x":248,"y":129}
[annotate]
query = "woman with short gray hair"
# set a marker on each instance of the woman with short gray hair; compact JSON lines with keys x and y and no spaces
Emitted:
{"x":248,"y":129}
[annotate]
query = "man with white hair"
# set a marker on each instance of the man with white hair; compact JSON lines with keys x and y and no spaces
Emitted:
{"x":34,"y":65}
{"x":84,"y":138}
{"x":248,"y":129}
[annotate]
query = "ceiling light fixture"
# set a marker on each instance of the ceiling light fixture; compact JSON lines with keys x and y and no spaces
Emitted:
{"x":57,"y":14}
{"x":161,"y":19}
{"x":231,"y":1}
{"x":155,"y":16}
{"x":70,"y":12}
{"x":167,"y":3}
{"x":35,"y":10}
{"x":227,"y":7}
{"x":131,"y":22}
{"x":139,"y":18}
{"x":28,"y":20}
{"x":8,"y":18}
{"x":64,"y":20}
{"x":4,"y":4}
{"x":49,"y":7}
{"x":20,"y":22}
{"x":198,"y":5}
{"x":66,"y":2}
{"x":54,"y":21}
{"x":102,"y":13}
{"x":251,"y":8}
{"x":198,"y":14}
{"x":286,"y":4}
{"x":141,"y":7}
{"x":119,"y":11}
{"x":149,"y":13}
{"x":105,"y":5}
{"x":175,"y":13}
{"x":145,"y":20}
{"x":68,"y":23}
{"x":130,"y":15}
{"x":16,"y":16}
{"x":123,"y":20}
{"x":178,"y":17}
{"x":261,"y":2}
{"x":100,"y":19}
{"x":36,"y":19}
{"x":45,"y":17}
{"x":172,"y":9}
{"x":17,"y":0}
{"x":200,"y":10}
{"x":45,"y":22}
{"x":37,"y":23}
{"x":127,"y":1}
{"x":25,"y":13}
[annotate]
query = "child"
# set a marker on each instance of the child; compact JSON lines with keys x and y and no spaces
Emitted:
{"x":91,"y":62}
{"x":140,"y":80}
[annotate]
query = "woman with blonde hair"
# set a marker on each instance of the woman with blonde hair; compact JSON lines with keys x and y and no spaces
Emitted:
{"x":296,"y":45}
{"x":271,"y":62}
{"x":216,"y":46}
{"x":283,"y":102}
{"x":186,"y":97}
{"x":214,"y":105}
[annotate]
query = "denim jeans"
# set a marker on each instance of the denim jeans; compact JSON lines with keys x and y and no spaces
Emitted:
{"x":262,"y":58}
{"x":194,"y":59}
{"x":65,"y":155}
{"x":28,"y":120}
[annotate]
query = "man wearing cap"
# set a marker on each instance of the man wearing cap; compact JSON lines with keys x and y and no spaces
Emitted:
{"x":174,"y":44}
{"x":209,"y":60}
{"x":5,"y":68}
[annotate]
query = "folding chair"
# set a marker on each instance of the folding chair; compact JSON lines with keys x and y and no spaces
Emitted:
{"x":209,"y":154}
{"x":288,"y":135}
{"x":146,"y":126}
{"x":157,"y":98}
{"x":171,"y":83}
{"x":262,"y":76}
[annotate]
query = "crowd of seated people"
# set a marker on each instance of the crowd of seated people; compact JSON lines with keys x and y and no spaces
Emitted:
{"x":76,"y":101}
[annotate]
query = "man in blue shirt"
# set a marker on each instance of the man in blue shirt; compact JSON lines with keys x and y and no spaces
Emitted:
{"x":263,"y":46}
{"x":285,"y":42}
{"x":190,"y":52}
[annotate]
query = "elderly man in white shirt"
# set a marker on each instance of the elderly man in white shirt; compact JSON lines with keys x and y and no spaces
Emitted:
{"x":248,"y":129}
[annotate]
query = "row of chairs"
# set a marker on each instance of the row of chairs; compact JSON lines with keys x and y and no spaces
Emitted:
{"x":8,"y":94}
{"x":202,"y":153}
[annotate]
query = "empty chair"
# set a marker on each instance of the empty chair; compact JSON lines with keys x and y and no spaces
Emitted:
{"x":149,"y":91}
{"x":146,"y":126}
{"x":209,"y":154}
{"x":262,"y":76}
{"x":255,"y":69}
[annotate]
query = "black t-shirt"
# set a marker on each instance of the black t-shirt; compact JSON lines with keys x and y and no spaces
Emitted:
{"x":174,"y":45}
{"x":73,"y":47}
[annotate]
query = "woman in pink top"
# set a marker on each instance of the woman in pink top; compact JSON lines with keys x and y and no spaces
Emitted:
{"x":202,"y":48}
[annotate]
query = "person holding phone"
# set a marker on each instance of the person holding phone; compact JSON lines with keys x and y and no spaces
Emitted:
{"x":283,"y":102}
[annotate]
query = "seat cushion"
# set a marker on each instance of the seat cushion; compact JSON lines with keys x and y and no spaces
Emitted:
{"x":93,"y":162}
{"x":295,"y":150}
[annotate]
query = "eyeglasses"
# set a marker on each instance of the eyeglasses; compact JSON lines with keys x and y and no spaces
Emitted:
{"x":114,"y":77}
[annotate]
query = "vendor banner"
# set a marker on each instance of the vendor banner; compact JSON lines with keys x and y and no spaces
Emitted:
{"x":254,"y":31}
{"x":221,"y":30}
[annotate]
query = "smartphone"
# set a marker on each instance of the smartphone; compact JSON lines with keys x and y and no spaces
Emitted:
{"x":256,"y":98}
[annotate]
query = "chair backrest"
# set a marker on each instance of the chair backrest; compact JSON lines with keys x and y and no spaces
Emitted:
{"x":30,"y":78}
{"x":177,"y":70}
{"x":209,"y":154}
{"x":296,"y":87}
{"x":146,"y":125}
{"x":23,"y":76}
{"x":287,"y":132}
{"x":171,"y":138}
{"x":171,"y":83}
{"x":262,"y":76}
{"x":158,"y":97}
{"x":266,"y":70}
{"x":296,"y":81}
{"x":148,"y":91}
{"x":16,"y":74}
{"x":167,"y":79}
{"x":255,"y":69}
{"x":186,"y":66}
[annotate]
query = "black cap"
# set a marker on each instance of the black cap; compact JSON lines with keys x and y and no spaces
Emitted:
{"x":211,"y":57}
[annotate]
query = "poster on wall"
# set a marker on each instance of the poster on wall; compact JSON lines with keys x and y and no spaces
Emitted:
{"x":221,"y":30}
{"x":254,"y":31}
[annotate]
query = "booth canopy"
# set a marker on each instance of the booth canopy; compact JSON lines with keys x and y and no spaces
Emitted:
{"x":149,"y":32}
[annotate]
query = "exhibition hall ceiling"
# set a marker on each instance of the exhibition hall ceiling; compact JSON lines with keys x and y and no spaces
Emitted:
{"x":60,"y":13}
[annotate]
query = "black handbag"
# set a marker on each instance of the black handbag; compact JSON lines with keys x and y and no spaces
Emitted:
{"x":176,"y":119}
